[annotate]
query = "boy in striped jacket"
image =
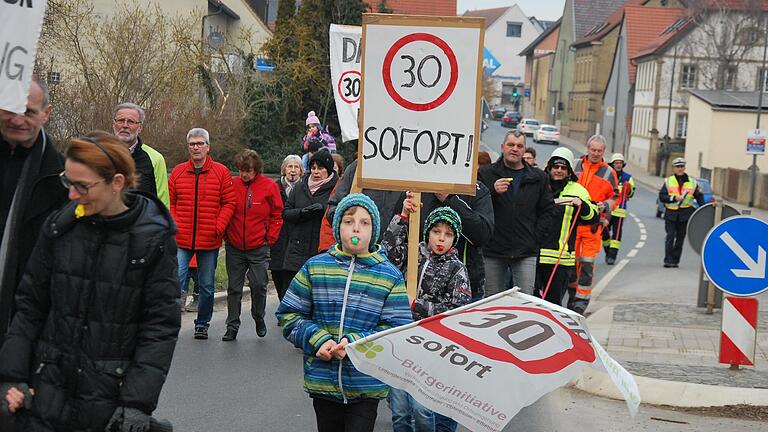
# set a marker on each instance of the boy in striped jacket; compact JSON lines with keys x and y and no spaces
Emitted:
{"x":347,"y":293}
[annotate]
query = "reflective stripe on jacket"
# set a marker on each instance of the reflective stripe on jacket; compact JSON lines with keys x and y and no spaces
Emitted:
{"x":625,"y":193}
{"x":687,"y":190}
{"x":558,"y":240}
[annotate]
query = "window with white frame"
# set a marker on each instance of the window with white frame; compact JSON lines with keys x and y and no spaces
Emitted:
{"x":761,"y":74}
{"x":688,"y":76}
{"x":681,"y":128}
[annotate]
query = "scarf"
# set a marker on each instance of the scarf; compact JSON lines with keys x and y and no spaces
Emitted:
{"x":289,"y":185}
{"x":315,"y":185}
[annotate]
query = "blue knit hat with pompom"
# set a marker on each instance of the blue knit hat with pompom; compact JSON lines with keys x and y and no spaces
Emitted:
{"x":362,"y":201}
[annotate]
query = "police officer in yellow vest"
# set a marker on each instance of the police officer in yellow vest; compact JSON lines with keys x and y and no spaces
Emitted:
{"x":679,"y":194}
{"x":612,"y":233}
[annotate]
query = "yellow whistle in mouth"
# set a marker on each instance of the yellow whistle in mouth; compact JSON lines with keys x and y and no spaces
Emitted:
{"x":355,"y":241}
{"x":79,"y":211}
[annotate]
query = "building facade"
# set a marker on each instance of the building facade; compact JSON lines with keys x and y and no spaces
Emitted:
{"x":539,"y":56}
{"x":507,"y":32}
{"x":667,"y":70}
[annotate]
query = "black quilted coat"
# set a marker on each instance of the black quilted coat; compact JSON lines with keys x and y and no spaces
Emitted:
{"x":97,"y":316}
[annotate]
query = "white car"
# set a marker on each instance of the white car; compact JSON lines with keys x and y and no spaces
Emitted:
{"x":547,"y":133}
{"x":528,"y":126}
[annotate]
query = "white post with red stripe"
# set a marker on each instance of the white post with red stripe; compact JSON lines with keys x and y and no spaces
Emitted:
{"x":739,"y":331}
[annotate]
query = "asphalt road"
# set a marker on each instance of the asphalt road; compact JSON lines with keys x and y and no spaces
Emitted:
{"x":255,"y":384}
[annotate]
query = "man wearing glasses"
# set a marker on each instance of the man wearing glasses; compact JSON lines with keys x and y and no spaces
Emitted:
{"x":202,"y":203}
{"x":523,"y":208}
{"x":150,"y":164}
{"x":29,"y":192}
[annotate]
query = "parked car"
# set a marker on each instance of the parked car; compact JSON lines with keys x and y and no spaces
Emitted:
{"x":510,"y":119}
{"x":498,"y":112}
{"x":528,"y":126}
{"x":547,"y":133}
{"x":706,"y":191}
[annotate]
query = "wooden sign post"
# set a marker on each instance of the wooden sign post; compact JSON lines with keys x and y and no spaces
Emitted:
{"x":420,"y":109}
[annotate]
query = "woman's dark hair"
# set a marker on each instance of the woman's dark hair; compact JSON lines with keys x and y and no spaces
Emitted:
{"x":247,"y":160}
{"x":104,"y":153}
{"x":483,"y":158}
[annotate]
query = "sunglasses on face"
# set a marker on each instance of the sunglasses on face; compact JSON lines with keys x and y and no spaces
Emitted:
{"x":560,"y":167}
{"x":80,"y":187}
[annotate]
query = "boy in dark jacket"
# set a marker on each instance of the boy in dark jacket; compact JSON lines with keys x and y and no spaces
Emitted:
{"x":443,"y":285}
{"x":345,"y":294}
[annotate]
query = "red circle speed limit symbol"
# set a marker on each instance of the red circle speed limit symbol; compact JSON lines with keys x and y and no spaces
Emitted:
{"x":349,"y":86}
{"x":415,"y":72}
{"x":506,"y":321}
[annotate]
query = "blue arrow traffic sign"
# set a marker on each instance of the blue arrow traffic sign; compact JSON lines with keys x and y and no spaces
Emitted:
{"x":734,"y":256}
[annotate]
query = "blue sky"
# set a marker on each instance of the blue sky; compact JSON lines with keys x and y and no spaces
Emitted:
{"x":542,"y":9}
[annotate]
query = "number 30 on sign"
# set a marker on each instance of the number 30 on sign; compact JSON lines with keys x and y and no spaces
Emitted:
{"x":420,"y":104}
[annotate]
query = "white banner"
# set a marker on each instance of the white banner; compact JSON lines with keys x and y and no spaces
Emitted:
{"x":482,"y":363}
{"x":345,"y":76}
{"x":20,"y":27}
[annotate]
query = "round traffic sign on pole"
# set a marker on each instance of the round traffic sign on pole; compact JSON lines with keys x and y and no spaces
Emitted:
{"x":702,"y":220}
{"x":734,"y":256}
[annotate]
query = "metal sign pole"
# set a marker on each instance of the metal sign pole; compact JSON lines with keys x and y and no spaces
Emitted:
{"x":710,"y":285}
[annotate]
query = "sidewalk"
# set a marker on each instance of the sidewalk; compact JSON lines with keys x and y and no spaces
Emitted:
{"x":672,"y":350}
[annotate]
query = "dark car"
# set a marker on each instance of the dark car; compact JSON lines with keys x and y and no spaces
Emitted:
{"x":510,"y":119}
{"x":498,"y":112}
{"x":706,"y":191}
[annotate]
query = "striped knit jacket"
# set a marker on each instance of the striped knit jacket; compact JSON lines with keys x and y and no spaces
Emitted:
{"x":337,"y":295}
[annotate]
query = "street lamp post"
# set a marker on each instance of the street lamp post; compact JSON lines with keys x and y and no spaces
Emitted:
{"x":759,"y":112}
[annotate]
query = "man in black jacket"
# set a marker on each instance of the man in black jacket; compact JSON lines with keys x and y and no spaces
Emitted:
{"x":29,"y":191}
{"x":523,"y":207}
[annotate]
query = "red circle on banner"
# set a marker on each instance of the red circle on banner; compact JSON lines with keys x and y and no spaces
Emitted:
{"x":581,"y":349}
{"x":405,"y":40}
{"x":341,"y":94}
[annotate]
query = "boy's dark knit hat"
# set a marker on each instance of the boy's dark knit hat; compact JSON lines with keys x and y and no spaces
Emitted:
{"x":363,"y":201}
{"x":315,"y":144}
{"x":324,"y":158}
{"x":447,"y":216}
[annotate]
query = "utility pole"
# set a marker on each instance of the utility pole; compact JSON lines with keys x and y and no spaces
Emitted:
{"x":759,"y":112}
{"x":564,"y":52}
{"x":665,"y":149}
{"x":616,"y":98}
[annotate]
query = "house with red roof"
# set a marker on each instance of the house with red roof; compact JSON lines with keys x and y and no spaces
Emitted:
{"x":688,"y":55}
{"x":508,"y":30}
{"x":639,"y":26}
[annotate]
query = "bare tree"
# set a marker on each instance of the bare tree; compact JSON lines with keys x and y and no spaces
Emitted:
{"x":729,"y":31}
{"x":139,"y":54}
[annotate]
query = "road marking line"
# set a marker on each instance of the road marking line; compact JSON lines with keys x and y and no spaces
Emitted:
{"x":639,"y":245}
{"x":608,"y":277}
{"x":641,"y":226}
{"x":632,"y":253}
{"x":643,"y":237}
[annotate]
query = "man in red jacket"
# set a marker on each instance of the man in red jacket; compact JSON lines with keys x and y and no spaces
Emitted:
{"x":253,"y":228}
{"x":202,"y":203}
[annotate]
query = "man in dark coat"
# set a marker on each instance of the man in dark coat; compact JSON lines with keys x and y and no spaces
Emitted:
{"x":523,"y":208}
{"x":29,"y":191}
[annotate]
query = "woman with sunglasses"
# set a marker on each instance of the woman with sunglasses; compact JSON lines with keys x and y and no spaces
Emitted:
{"x":557,"y":258}
{"x":97,"y":313}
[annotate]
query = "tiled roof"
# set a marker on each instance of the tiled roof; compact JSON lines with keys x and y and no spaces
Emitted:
{"x":724,"y":99}
{"x":588,"y":13}
{"x":643,"y":25}
{"x":601,"y":28}
{"x":418,"y":7}
{"x":532,"y":46}
{"x":679,"y":27}
{"x":490,"y":15}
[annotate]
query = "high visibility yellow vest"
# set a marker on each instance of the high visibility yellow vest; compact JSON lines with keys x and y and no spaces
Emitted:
{"x":673,"y":189}
{"x":549,"y":253}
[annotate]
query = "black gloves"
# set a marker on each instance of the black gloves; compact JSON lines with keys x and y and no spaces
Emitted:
{"x":128,"y":420}
{"x":312,"y":209}
{"x":22,"y":387}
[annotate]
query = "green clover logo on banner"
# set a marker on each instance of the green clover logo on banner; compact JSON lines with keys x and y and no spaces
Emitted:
{"x":370,"y":349}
